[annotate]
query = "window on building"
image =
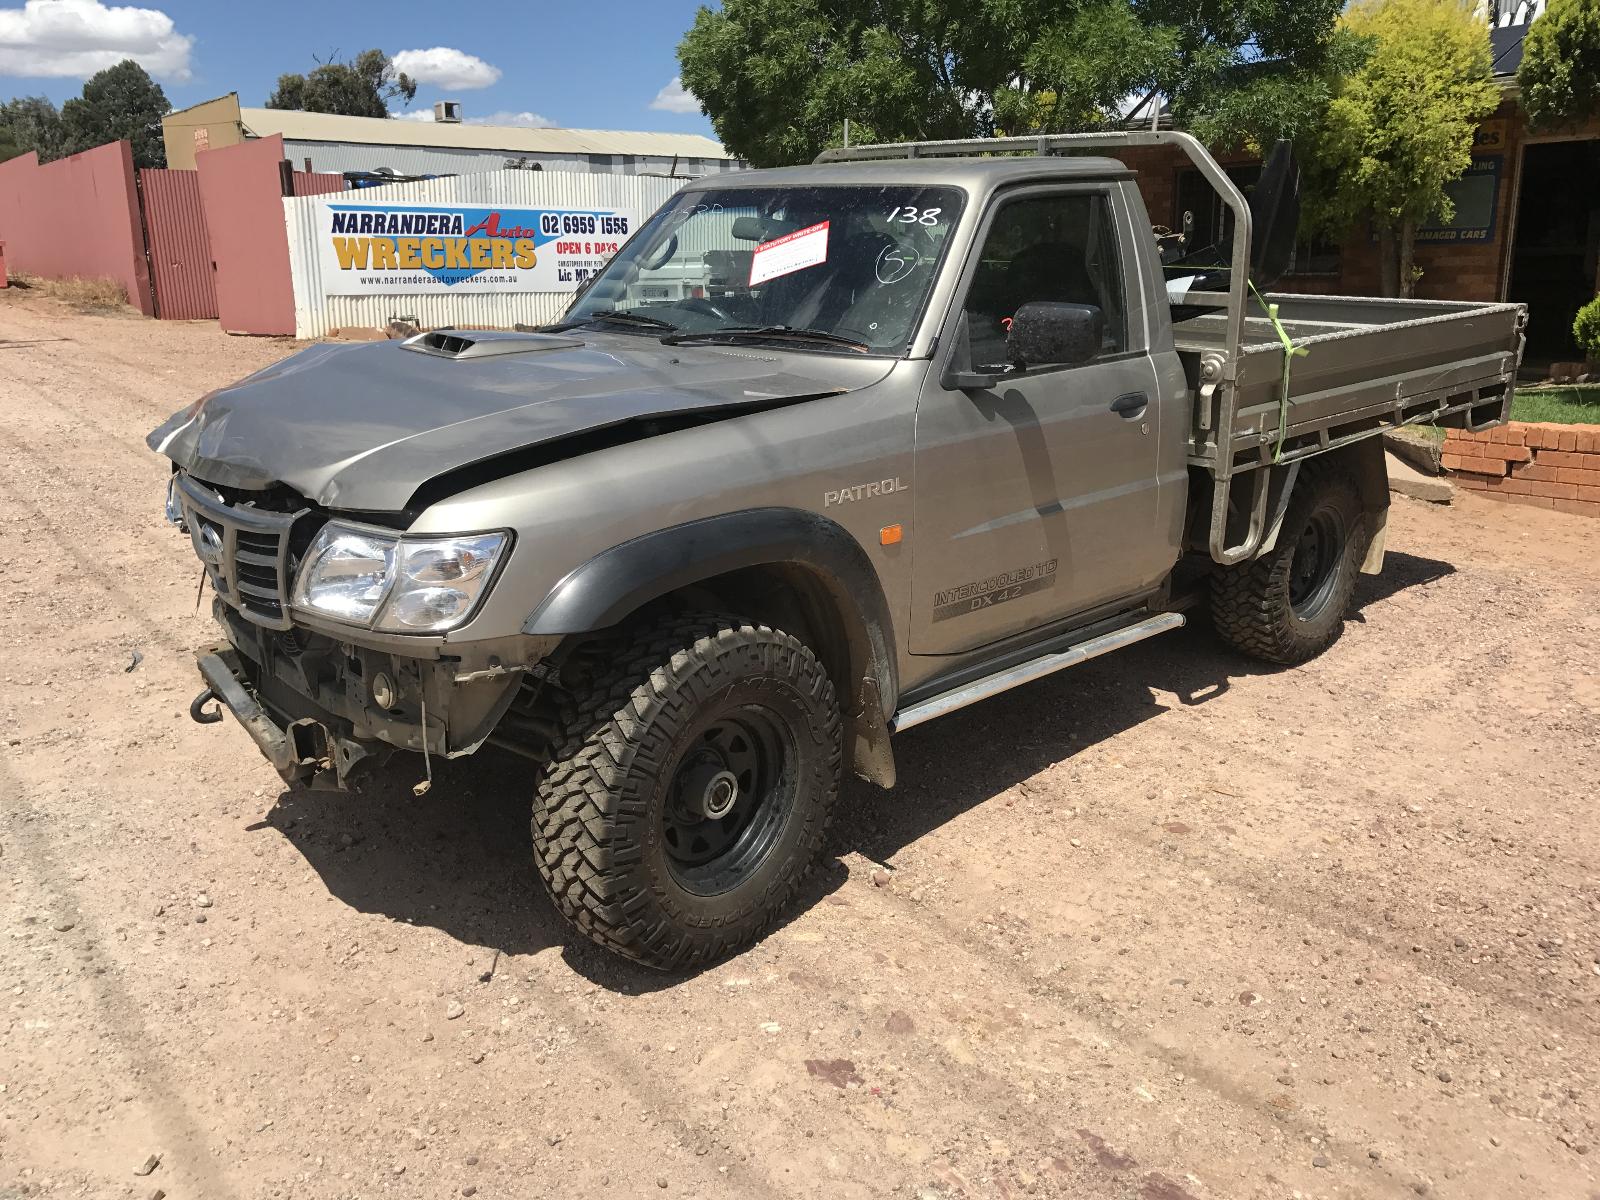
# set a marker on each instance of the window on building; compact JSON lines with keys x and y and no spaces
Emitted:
{"x":1213,"y":220}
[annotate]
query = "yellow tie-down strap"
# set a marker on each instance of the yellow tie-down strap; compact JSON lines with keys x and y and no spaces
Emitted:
{"x":1290,"y":353}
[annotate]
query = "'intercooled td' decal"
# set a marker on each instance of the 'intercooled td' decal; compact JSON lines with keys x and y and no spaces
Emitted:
{"x":997,"y":589}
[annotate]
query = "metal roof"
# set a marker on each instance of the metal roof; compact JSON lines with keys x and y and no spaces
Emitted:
{"x":329,"y":127}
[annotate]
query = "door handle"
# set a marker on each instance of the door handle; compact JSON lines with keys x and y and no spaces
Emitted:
{"x":1130,"y":405}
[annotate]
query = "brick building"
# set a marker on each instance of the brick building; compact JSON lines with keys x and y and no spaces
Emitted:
{"x":1527,"y":223}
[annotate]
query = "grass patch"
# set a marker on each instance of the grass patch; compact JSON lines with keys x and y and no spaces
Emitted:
{"x":84,"y":295}
{"x":1573,"y":404}
{"x":1423,"y":435}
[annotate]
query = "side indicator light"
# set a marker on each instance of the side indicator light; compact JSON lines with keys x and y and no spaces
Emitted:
{"x":890,"y":535}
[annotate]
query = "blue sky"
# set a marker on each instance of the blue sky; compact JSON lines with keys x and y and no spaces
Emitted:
{"x":607,"y":65}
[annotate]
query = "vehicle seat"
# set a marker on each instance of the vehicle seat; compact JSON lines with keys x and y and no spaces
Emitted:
{"x":888,"y":291}
{"x":1044,"y":271}
{"x":820,"y":296}
{"x":1050,"y":271}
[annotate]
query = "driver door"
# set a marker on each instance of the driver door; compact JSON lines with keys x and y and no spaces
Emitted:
{"x":1036,"y":499}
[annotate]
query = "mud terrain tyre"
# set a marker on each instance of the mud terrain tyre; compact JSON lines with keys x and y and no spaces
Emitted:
{"x":1289,"y":605}
{"x":692,"y":784}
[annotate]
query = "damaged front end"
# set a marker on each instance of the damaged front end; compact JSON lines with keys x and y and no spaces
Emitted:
{"x":323,"y":709}
{"x":324,"y":699}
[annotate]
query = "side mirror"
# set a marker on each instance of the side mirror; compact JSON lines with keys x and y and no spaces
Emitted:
{"x":1047,"y":332}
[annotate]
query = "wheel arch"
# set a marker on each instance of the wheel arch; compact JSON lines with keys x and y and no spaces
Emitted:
{"x":782,"y":565}
{"x":1365,"y":463}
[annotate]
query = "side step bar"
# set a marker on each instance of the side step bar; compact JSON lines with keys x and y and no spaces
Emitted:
{"x":1038,"y":668}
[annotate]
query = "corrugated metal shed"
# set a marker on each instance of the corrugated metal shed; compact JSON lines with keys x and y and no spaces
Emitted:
{"x":501,"y":139}
{"x":338,"y":157}
{"x":316,"y":313}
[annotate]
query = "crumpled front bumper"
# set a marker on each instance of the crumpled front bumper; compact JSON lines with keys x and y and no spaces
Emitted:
{"x":322,"y":707}
{"x":304,"y":751}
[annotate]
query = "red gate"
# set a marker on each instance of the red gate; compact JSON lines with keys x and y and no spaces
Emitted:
{"x":241,"y":189}
{"x":180,"y":249}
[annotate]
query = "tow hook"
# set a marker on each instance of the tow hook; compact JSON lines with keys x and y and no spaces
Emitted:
{"x":197,"y":708}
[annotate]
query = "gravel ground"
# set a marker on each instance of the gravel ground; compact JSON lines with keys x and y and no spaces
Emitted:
{"x":1170,"y":926}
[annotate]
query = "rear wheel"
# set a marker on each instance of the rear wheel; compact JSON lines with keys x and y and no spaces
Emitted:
{"x":1289,"y":605}
{"x":691,"y":787}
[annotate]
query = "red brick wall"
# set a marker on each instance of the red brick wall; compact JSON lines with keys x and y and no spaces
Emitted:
{"x":1450,"y":271}
{"x":1547,"y":466}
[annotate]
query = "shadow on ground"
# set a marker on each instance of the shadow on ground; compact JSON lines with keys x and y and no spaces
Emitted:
{"x":459,"y":859}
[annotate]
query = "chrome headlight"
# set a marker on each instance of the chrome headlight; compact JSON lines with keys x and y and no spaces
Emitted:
{"x":406,"y":585}
{"x":438,"y":581}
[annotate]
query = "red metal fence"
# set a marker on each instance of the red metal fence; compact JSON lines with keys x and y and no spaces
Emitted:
{"x":180,"y":246}
{"x":217,"y":243}
{"x":317,"y":183}
{"x":242,"y":192}
{"x":78,"y":217}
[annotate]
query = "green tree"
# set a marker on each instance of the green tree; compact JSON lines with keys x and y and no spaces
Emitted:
{"x":1250,"y":72}
{"x":779,"y":77}
{"x":362,"y":87}
{"x":1401,"y":128}
{"x":1560,"y":71}
{"x":30,"y":123}
{"x":1586,"y":329}
{"x":119,"y":102}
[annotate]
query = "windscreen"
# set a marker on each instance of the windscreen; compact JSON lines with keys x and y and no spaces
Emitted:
{"x":853,"y":262}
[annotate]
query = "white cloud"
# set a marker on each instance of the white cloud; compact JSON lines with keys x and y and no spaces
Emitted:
{"x":415,"y":114}
{"x":675,"y":98}
{"x":528,"y":120}
{"x":447,"y":68}
{"x":76,"y":38}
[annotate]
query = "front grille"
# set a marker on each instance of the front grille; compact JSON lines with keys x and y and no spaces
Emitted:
{"x":245,"y":550}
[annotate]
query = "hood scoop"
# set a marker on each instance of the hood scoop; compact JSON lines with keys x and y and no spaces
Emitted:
{"x":485,"y":343}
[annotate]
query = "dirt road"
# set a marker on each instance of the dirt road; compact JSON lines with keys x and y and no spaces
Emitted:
{"x":1168,"y":926}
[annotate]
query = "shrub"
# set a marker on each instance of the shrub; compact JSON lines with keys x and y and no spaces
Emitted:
{"x":1586,"y":329}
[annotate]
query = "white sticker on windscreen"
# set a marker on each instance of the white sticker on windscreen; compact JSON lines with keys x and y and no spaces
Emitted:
{"x":792,"y":252}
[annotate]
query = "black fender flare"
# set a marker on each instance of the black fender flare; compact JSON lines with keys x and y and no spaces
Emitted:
{"x":617,"y":582}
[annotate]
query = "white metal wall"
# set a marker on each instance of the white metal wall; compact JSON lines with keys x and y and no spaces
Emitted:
{"x":315,"y":313}
{"x":339,"y":157}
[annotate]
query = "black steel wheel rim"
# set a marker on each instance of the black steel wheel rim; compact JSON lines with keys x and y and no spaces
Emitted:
{"x":1314,"y":567}
{"x":751,"y":747}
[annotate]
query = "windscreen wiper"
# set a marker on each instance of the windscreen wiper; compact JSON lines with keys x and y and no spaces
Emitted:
{"x":617,"y":316}
{"x":764,"y":332}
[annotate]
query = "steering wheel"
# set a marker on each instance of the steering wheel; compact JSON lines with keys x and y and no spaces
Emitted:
{"x":668,"y":249}
{"x":700,"y":304}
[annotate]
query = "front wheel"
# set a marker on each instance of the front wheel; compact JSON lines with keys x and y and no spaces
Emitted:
{"x":1288,"y":606}
{"x":692,"y":784}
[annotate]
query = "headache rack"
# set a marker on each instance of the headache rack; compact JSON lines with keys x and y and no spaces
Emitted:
{"x":1373,"y":364}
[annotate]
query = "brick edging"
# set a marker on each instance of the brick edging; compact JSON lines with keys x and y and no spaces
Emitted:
{"x":1527,"y":462}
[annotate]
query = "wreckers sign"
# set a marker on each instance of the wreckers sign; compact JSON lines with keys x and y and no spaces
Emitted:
{"x":412,"y":249}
